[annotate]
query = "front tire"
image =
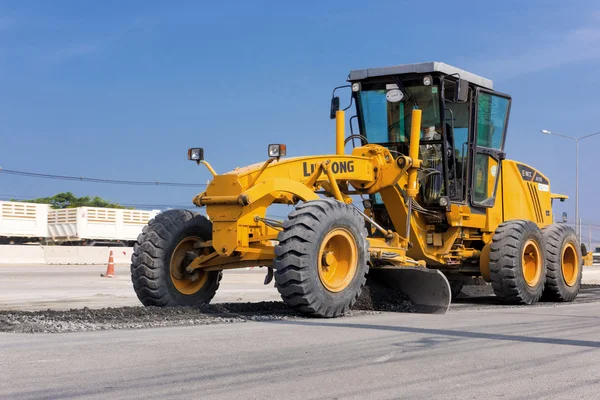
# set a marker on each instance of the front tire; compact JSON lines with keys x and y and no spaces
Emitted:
{"x":163,"y":250}
{"x":517,"y":262}
{"x":564,"y":263}
{"x":321,"y":259}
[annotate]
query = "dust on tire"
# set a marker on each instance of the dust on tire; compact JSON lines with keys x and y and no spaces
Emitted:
{"x":295,"y":264}
{"x":150,"y":266}
{"x":557,"y":237}
{"x":506,"y":269}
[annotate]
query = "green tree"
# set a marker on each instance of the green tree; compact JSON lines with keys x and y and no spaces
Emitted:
{"x":69,"y":200}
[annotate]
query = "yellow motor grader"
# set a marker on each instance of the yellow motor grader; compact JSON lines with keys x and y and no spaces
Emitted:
{"x":426,"y":203}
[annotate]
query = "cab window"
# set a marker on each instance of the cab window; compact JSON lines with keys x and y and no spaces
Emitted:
{"x":491,"y":117}
{"x":492,"y":113}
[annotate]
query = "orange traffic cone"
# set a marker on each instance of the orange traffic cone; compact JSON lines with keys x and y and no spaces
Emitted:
{"x":110,"y":268}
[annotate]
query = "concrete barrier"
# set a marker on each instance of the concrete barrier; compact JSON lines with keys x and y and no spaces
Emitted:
{"x":84,"y":255}
{"x":63,"y":255}
{"x":22,"y":254}
{"x":121,"y":255}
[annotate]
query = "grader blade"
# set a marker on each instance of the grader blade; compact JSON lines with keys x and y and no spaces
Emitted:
{"x":428,"y":289}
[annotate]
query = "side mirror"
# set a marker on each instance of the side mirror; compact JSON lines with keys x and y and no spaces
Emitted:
{"x":335,"y":106}
{"x":461,"y":91}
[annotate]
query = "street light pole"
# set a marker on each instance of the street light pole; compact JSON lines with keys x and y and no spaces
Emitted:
{"x":578,"y":223}
{"x":576,"y":139}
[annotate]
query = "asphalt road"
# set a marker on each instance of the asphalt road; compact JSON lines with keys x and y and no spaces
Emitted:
{"x":42,"y":287}
{"x":545,"y":352}
{"x":63,"y":287}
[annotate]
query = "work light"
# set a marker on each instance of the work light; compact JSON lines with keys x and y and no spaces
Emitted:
{"x":196,"y":154}
{"x":277,"y":150}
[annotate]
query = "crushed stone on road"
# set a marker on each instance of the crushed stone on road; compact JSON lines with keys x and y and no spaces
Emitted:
{"x":374,"y":300}
{"x":381,"y":298}
{"x":138,"y":317}
{"x":86,"y":319}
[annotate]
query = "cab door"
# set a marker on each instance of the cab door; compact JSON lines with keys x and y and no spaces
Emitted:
{"x":491,"y":119}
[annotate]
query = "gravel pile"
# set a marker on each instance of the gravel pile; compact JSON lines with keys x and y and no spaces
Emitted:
{"x":475,"y":291}
{"x":76,"y":320}
{"x":376,"y":297}
{"x":139,"y":317}
{"x":590,"y":286}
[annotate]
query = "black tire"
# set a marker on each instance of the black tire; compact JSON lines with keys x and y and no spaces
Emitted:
{"x":296,"y":263}
{"x":151,"y":260}
{"x":506,"y":262}
{"x":562,"y":243}
{"x":456,"y":288}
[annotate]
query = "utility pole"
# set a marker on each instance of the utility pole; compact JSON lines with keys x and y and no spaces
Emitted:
{"x":576,"y":139}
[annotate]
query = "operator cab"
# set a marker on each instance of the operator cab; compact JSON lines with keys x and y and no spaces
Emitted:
{"x":463,"y":127}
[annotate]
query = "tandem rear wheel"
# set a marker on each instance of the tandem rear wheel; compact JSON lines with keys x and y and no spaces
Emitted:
{"x":528,"y":263}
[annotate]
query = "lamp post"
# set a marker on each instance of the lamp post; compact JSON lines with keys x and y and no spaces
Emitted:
{"x":576,"y":139}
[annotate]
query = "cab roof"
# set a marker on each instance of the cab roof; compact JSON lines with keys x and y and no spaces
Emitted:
{"x":420,"y":68}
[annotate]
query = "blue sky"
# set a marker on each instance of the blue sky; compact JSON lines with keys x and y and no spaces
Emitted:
{"x":120,"y":90}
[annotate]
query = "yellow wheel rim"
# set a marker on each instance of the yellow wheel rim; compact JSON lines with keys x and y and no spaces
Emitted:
{"x":183,"y":281}
{"x":532,"y":263}
{"x":570,"y":264}
{"x":338,"y":259}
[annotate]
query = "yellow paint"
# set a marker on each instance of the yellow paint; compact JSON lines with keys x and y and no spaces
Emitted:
{"x":338,"y":260}
{"x":570,"y":264}
{"x":531,"y":260}
{"x":484,"y":263}
{"x":333,"y":183}
{"x":262,"y":169}
{"x":523,"y":199}
{"x":237,"y":202}
{"x":340,"y":125}
{"x":415,"y":137}
{"x":209,"y":167}
{"x":184,"y":282}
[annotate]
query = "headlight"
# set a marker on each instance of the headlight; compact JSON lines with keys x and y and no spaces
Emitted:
{"x":356,"y":87}
{"x":427,"y":80}
{"x":196,"y":154}
{"x":277,"y":150}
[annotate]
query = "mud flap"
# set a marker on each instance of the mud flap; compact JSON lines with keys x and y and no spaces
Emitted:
{"x":427,"y":288}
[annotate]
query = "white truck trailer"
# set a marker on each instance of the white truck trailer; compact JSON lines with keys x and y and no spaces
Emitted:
{"x":22,"y":223}
{"x":97,"y":226}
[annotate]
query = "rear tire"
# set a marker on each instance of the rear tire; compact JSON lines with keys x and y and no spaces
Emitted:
{"x":517,"y":262}
{"x":321,"y":259}
{"x":158,"y":261}
{"x":564,"y":263}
